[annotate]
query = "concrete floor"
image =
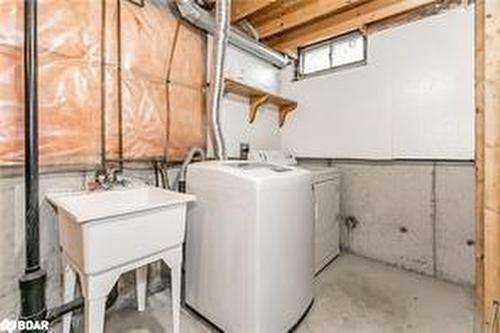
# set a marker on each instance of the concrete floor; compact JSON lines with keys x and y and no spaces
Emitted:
{"x":353,"y":294}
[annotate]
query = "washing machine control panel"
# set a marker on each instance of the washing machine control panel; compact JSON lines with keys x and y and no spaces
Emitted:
{"x":272,"y":156}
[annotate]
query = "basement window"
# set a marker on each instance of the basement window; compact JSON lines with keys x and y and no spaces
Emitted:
{"x":337,"y":53}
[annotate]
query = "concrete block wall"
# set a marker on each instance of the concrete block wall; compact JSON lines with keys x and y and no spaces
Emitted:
{"x":12,"y":249}
{"x":454,"y":222}
{"x":418,"y":215}
{"x":12,"y":241}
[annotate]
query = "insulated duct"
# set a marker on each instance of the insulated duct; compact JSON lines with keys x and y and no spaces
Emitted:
{"x":222,"y":10}
{"x":203,"y":20}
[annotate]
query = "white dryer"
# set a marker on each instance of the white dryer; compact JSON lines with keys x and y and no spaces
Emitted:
{"x":249,"y":246}
{"x":327,"y":218}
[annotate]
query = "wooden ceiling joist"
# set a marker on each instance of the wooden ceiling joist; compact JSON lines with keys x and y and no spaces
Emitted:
{"x":414,"y":15}
{"x":336,"y":24}
{"x":287,"y":16}
{"x":243,"y":8}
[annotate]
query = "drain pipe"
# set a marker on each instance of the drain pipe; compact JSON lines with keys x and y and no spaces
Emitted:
{"x":180,"y":179}
{"x":32,"y":283}
{"x":200,"y":18}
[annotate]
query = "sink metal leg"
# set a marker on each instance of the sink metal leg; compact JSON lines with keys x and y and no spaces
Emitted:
{"x":141,"y":282}
{"x":69,"y":281}
{"x":94,"y":315}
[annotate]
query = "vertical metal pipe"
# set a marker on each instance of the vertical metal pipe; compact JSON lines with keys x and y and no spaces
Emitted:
{"x":120,"y":83}
{"x":103,"y":84}
{"x":32,"y":283}
{"x":31,"y":137}
{"x":222,"y":13}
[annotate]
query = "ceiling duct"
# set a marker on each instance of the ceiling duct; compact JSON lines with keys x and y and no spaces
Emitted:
{"x":191,"y":12}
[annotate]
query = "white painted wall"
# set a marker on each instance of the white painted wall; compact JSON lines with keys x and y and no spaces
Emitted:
{"x":264,"y":133}
{"x":414,"y":99}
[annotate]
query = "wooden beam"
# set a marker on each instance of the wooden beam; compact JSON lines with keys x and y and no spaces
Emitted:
{"x":273,"y":10}
{"x":243,"y":8}
{"x":414,"y":15}
{"x":349,"y":20}
{"x":491,"y":135}
{"x":479,"y":165}
{"x":286,"y":16}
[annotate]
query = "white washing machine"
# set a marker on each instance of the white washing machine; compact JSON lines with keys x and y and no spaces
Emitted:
{"x":249,"y":246}
{"x":327,"y":218}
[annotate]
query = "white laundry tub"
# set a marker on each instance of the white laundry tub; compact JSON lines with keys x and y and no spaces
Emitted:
{"x":102,"y":230}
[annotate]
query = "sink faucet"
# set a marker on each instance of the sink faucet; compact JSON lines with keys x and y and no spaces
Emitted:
{"x":107,"y":178}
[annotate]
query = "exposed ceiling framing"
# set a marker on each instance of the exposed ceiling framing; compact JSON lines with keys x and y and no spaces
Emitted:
{"x":288,"y":24}
{"x":292,"y":14}
{"x":243,"y":8}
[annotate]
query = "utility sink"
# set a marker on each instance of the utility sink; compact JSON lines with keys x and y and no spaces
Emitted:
{"x":104,"y":234}
{"x":104,"y":229}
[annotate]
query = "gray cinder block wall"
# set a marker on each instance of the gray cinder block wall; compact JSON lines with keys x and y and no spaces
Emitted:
{"x":418,"y":215}
{"x":12,"y":238}
{"x":12,"y":241}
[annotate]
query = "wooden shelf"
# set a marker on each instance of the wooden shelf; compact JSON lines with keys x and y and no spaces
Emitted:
{"x":258,"y":97}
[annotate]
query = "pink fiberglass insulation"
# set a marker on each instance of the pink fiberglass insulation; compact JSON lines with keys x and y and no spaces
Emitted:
{"x":156,"y":119}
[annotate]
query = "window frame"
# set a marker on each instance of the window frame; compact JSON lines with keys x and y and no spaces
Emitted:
{"x":299,"y":64}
